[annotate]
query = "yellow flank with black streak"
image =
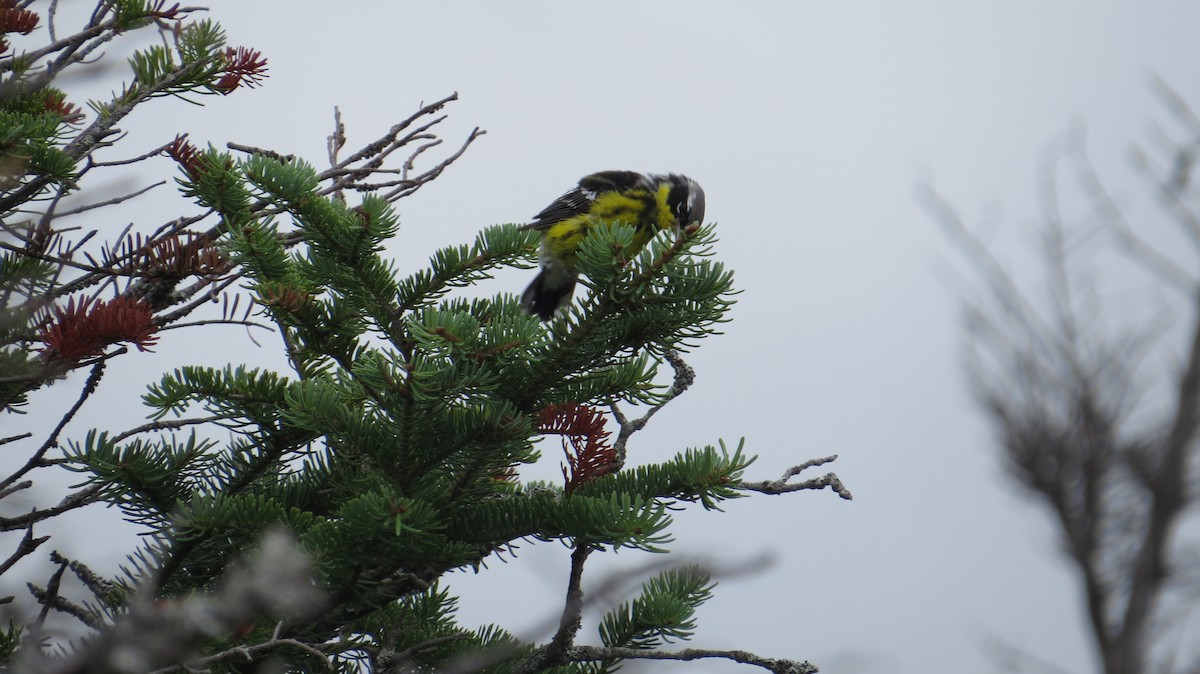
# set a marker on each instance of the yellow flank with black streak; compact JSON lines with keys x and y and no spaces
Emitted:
{"x":649,"y":203}
{"x":639,"y":208}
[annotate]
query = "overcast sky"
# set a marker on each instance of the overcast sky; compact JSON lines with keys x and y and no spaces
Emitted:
{"x":810,"y":125}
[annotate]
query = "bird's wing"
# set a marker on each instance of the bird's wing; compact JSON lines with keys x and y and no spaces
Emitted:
{"x":579,"y":200}
{"x":574,"y":202}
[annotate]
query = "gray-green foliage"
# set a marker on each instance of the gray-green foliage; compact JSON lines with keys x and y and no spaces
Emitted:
{"x":393,"y":446}
{"x":390,"y":448}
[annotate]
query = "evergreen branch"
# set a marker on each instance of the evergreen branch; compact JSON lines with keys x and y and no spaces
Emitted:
{"x":685,"y":376}
{"x":571,"y":338}
{"x":556,"y":652}
{"x":664,"y":611}
{"x":170,"y":425}
{"x":707,"y":475}
{"x":457,"y":266}
{"x":97,"y":273}
{"x":480,"y":660}
{"x":277,"y":581}
{"x":782,"y":486}
{"x":90,"y":138}
{"x":602,"y":654}
{"x":620,"y":519}
{"x":273,"y":450}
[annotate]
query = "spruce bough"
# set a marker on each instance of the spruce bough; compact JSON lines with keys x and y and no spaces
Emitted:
{"x":393,"y":449}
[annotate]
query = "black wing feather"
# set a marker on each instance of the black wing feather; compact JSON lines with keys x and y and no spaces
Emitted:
{"x":578,"y":200}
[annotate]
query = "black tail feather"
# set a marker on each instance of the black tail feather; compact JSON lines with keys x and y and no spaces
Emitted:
{"x":548,"y":293}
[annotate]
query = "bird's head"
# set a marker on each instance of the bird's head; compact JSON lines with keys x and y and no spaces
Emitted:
{"x":685,"y":199}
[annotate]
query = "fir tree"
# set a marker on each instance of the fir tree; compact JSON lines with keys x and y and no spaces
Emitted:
{"x":391,"y":450}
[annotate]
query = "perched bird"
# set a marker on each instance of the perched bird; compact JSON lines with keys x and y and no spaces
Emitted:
{"x":647,"y":202}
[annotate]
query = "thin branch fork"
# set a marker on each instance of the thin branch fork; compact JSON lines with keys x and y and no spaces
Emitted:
{"x":379,"y":145}
{"x":685,"y":376}
{"x":34,"y":461}
{"x":1170,"y":497}
{"x":556,"y":651}
{"x":78,"y":499}
{"x":26,"y":547}
{"x":783,"y":486}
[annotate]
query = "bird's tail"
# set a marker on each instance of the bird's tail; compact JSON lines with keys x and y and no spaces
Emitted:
{"x":549,"y":292}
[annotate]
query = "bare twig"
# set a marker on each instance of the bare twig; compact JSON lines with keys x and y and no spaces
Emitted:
{"x":108,"y":202}
{"x":92,"y":163}
{"x":782,"y":486}
{"x":775,"y":665}
{"x":378,"y":146}
{"x":70,"y":502}
{"x":26,"y":547}
{"x":413,"y":184}
{"x":48,"y":596}
{"x":685,"y":376}
{"x":35,"y":460}
{"x":169,"y":425}
{"x":14,"y":488}
{"x":14,"y":438}
{"x":334,"y":144}
{"x":250,"y":149}
{"x":218,"y":321}
{"x":51,"y":600}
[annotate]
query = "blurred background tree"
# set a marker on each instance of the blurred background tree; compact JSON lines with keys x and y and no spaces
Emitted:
{"x":1093,"y":391}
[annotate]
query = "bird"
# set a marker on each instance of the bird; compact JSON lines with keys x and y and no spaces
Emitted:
{"x":648,"y":202}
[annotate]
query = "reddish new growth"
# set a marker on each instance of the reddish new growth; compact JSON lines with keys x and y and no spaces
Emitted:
{"x":83,"y":330}
{"x":177,"y":256}
{"x":289,"y":299}
{"x":15,"y":20}
{"x":56,"y":101}
{"x":186,"y":155}
{"x":583,"y":426}
{"x":242,"y":66}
